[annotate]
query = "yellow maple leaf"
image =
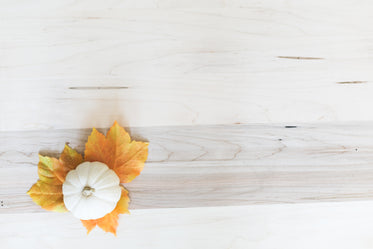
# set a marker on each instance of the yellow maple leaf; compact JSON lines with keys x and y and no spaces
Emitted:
{"x":47,"y":191}
{"x":117,"y":150}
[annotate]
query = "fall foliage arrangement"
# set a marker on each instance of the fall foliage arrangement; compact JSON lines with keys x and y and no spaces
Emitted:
{"x":90,"y":187}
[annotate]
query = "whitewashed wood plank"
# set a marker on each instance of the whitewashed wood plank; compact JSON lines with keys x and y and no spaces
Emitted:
{"x":292,"y":226}
{"x":215,"y":165}
{"x":75,"y":64}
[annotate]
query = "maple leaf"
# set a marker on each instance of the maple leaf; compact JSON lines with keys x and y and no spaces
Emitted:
{"x":109,"y":222}
{"x":47,"y":191}
{"x":116,"y":150}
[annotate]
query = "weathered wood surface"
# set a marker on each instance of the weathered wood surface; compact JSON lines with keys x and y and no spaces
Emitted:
{"x":78,"y":64}
{"x":215,"y":165}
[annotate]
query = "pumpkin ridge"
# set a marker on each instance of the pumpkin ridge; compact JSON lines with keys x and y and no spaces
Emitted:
{"x":99,"y":188}
{"x":107,"y":175}
{"x":98,"y":176}
{"x":75,"y":205}
{"x":107,"y":199}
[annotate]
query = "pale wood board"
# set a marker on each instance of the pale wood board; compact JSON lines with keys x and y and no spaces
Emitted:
{"x":205,"y":166}
{"x":79,"y":64}
{"x":291,"y":226}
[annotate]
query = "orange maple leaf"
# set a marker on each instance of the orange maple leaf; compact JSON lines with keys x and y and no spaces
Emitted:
{"x":117,"y":150}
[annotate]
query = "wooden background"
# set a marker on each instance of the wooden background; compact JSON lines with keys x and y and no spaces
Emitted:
{"x":258,"y":113}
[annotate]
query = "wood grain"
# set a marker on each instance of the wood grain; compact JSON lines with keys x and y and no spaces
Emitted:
{"x":299,"y":73}
{"x":205,"y":166}
{"x":337,"y":225}
{"x":154,"y":63}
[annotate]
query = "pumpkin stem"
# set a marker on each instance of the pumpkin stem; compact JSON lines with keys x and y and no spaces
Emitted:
{"x":87,"y":191}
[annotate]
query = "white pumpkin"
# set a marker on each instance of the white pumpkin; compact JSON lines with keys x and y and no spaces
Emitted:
{"x":91,"y":191}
